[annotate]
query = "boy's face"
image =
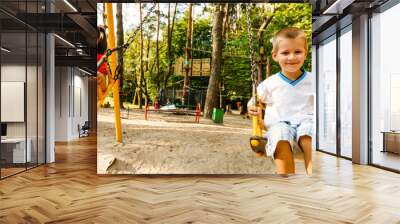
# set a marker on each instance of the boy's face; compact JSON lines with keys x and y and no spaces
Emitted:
{"x":290,"y":54}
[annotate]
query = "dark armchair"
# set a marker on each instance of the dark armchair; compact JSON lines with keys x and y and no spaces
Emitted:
{"x":84,"y":130}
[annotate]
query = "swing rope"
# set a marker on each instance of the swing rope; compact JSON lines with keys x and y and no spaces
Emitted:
{"x":257,"y":142}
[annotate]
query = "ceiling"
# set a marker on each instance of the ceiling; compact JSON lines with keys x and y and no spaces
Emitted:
{"x":74,"y":22}
{"x":328,"y":12}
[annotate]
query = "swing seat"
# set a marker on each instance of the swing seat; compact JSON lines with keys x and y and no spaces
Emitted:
{"x":258,"y":144}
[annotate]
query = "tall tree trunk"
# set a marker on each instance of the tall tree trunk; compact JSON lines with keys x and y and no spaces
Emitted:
{"x":157,"y":49}
{"x":135,"y":92}
{"x":238,"y":15}
{"x":141,"y":58}
{"x":226,"y":22}
{"x":164,"y":82}
{"x":120,"y":41}
{"x":212,"y":99}
{"x":187,"y":55}
{"x":170,"y":31}
{"x":146,"y":92}
{"x":147,"y":52}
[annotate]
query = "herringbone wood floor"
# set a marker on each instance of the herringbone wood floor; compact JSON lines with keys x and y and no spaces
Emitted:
{"x":69,"y":191}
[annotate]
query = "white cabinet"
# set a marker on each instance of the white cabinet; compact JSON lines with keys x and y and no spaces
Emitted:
{"x":17,"y":147}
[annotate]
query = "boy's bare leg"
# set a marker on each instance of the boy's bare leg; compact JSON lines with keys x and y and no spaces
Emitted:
{"x":284,"y":158}
{"x":306,"y":144}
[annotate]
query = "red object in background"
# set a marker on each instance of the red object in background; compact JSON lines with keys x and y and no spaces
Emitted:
{"x":198,"y":113}
{"x":156,"y":105}
{"x":146,"y":112}
{"x":103,"y":67}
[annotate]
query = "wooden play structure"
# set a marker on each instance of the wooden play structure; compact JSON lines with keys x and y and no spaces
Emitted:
{"x":197,"y":67}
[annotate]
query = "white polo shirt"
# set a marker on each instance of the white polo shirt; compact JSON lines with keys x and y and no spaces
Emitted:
{"x":287,"y":100}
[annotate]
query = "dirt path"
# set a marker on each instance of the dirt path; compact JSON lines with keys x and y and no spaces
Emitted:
{"x":173,"y":144}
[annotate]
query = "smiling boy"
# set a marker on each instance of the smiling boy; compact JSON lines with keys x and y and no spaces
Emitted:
{"x":289,"y":103}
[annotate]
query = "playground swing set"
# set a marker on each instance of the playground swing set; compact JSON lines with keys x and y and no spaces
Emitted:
{"x":196,"y":113}
{"x":175,"y":106}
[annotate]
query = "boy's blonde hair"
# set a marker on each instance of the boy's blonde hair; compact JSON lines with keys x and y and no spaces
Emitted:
{"x":290,"y":33}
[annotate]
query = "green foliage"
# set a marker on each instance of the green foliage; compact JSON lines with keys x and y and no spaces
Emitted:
{"x":235,"y":70}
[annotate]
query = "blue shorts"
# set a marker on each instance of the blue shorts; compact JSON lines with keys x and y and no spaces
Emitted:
{"x":287,"y":132}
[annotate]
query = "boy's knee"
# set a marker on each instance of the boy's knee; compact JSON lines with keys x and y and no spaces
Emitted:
{"x":283,"y":146}
{"x":305,"y":143}
{"x":283,"y":150}
{"x":283,"y":143}
{"x":304,"y":139}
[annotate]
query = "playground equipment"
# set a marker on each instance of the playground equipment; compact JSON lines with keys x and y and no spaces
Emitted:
{"x":257,"y":141}
{"x":197,"y":67}
{"x":113,"y":83}
{"x":110,"y":58}
{"x":194,"y":96}
{"x":184,"y":111}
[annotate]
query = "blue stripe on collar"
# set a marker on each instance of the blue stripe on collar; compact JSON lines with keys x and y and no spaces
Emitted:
{"x":292,"y":82}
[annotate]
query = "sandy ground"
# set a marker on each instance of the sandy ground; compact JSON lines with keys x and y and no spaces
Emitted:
{"x":174,"y":144}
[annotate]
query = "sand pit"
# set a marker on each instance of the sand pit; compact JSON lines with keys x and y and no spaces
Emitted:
{"x":174,"y":144}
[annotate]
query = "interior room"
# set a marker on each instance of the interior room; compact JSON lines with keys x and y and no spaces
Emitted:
{"x":44,"y":79}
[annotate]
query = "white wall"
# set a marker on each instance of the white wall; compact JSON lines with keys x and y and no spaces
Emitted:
{"x":83,"y":84}
{"x":71,"y":99}
{"x":13,"y":72}
{"x":61,"y":103}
